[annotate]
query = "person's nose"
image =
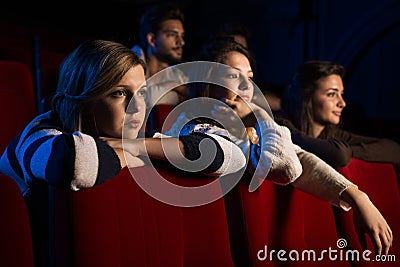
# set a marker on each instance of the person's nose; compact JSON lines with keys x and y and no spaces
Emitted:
{"x":341,"y":103}
{"x":245,"y":84}
{"x":180,"y":40}
{"x":132,"y":106}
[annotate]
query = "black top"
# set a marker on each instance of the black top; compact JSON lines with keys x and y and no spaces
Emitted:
{"x":338,"y":151}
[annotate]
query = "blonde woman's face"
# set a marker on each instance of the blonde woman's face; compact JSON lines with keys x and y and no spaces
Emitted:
{"x":111,"y":113}
{"x":236,"y":80}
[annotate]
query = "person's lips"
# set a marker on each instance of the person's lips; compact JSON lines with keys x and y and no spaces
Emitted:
{"x":337,"y":113}
{"x":245,"y":97}
{"x":133,"y":123}
{"x":178,"y":50}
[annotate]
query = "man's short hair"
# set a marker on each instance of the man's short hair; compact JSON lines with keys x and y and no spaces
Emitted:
{"x":153,"y":17}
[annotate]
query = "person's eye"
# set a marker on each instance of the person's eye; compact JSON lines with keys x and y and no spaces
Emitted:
{"x":119,"y":93}
{"x":232,"y":76}
{"x":172,"y":34}
{"x":142,"y":92}
{"x":332,"y":94}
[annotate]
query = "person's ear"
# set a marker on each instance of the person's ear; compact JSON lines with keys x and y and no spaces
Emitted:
{"x":151,"y":39}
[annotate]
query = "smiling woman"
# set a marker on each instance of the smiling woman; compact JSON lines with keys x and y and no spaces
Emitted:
{"x":312,"y":107}
{"x":328,"y":103}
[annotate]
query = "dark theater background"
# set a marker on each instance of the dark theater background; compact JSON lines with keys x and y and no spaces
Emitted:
{"x":117,"y":223}
{"x":363,"y":35}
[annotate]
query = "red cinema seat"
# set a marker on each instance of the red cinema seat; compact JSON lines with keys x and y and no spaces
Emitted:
{"x":158,"y":118}
{"x":17,"y":100}
{"x":15,"y":232}
{"x":16,"y":44}
{"x":380,"y":182}
{"x":205,"y":227}
{"x":283,"y":218}
{"x":118,"y":224}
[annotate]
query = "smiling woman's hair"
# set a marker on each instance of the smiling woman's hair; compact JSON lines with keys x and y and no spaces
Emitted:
{"x":297,"y":97}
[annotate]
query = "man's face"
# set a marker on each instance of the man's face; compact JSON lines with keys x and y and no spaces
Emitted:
{"x":169,"y":42}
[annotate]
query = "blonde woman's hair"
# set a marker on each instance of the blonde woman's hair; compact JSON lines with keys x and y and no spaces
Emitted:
{"x":87,"y":74}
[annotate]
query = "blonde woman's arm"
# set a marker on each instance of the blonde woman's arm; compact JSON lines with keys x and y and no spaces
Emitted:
{"x":205,"y":153}
{"x":321,"y":180}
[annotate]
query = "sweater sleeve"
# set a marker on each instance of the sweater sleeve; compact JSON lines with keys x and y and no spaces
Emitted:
{"x":75,"y":160}
{"x":90,"y":171}
{"x":371,"y":148}
{"x":321,"y":180}
{"x":228,"y":158}
{"x":335,"y":152}
{"x":233,"y":158}
{"x":274,"y":158}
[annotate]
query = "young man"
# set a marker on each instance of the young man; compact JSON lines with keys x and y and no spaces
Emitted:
{"x":161,"y":40}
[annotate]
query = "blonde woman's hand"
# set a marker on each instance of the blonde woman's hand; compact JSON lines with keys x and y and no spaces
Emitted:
{"x":127,"y":150}
{"x":368,"y":220}
{"x":135,"y":147}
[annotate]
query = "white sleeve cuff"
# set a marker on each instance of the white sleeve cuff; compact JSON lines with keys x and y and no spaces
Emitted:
{"x":86,"y":161}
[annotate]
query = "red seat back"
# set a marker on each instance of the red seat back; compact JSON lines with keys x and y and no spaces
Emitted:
{"x":15,"y":232}
{"x":380,"y":182}
{"x":158,"y":118}
{"x":283,"y":218}
{"x":205,"y":227}
{"x":17,"y":100}
{"x":118,"y":224}
{"x":17,"y":44}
